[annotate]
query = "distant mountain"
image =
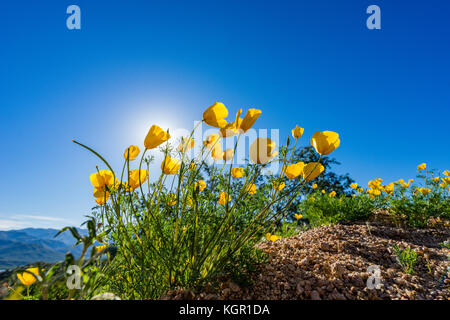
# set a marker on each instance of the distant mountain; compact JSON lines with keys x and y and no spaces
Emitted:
{"x":25,"y":246}
{"x":49,"y":234}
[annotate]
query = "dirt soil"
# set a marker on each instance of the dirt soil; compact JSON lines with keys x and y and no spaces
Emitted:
{"x":332,"y":262}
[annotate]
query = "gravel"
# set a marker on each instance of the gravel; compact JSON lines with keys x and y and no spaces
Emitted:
{"x":332,"y":262}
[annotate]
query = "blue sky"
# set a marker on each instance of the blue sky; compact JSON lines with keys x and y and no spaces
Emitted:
{"x":136,"y":63}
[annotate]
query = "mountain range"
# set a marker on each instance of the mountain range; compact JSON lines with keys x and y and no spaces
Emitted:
{"x":25,"y":246}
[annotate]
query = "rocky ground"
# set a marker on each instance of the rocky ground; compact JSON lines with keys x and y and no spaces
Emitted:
{"x":332,"y":262}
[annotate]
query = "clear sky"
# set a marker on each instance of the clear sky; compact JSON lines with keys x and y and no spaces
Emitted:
{"x":136,"y":63}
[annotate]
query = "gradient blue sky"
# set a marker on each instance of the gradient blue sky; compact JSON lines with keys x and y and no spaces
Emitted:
{"x":135,"y":63}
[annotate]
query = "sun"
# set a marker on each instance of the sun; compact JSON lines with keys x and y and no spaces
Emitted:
{"x":142,"y":124}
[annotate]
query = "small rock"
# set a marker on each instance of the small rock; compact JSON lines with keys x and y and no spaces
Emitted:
{"x":226,"y":292}
{"x":106,"y":296}
{"x":234,"y":287}
{"x":300,"y":289}
{"x":338,"y":270}
{"x":315,"y":295}
{"x":188,"y":295}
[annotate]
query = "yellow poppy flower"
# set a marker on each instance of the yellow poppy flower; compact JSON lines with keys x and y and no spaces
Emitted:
{"x":325,"y":142}
{"x":446,"y":173}
{"x":425,"y":191}
{"x":126,"y":187}
{"x":115,"y":186}
{"x":215,"y":115}
{"x":278,"y":185}
{"x":171,"y":199}
{"x":228,"y":131}
{"x":192,"y":166}
{"x":332,"y":194}
{"x":422,"y":166}
{"x":297,"y":132}
{"x":99,"y":248}
{"x":294,"y":170}
{"x":131,"y":153}
{"x":217,"y":153}
{"x":136,"y":178}
{"x":272,"y":237}
{"x":224,"y":198}
{"x":443,"y":185}
{"x":101,"y":194}
{"x":314,"y":186}
{"x":312,"y":170}
{"x":238,"y":118}
{"x":262,"y":150}
{"x":201,"y":185}
{"x":102,"y":178}
{"x":228,"y":154}
{"x":354,"y":186}
{"x":186,"y":144}
{"x":101,"y":201}
{"x":389,"y":188}
{"x":375,"y":183}
{"x":446,"y":180}
{"x":232,"y":128}
{"x":155,"y":137}
{"x":249,"y":120}
{"x":360,"y":190}
{"x":323,"y":191}
{"x":211,"y":140}
{"x":251,"y":189}
{"x":170,"y":165}
{"x":237,"y":172}
{"x":298,"y":216}
{"x":374,"y":192}
{"x":30,"y":277}
{"x":435,"y":179}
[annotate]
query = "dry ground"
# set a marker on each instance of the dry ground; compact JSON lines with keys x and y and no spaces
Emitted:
{"x":331,"y":262}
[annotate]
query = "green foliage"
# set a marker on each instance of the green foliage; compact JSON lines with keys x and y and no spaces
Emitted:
{"x":417,"y":208}
{"x":414,"y":209}
{"x":171,"y":234}
{"x":407,"y":258}
{"x":445,"y":244}
{"x":182,"y":245}
{"x":245,"y":265}
{"x":320,"y":209}
{"x":290,"y":229}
